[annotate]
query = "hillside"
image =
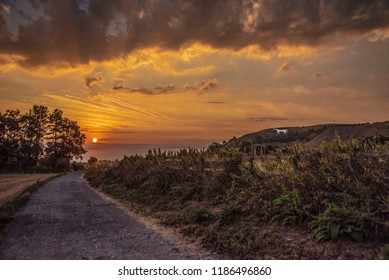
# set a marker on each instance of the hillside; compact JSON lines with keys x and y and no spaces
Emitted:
{"x":314,"y":135}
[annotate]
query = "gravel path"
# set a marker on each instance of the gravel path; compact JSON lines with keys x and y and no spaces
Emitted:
{"x":64,"y":219}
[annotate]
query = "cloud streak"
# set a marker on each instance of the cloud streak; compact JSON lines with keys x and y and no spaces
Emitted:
{"x":285,"y":67}
{"x":155,"y":90}
{"x":199,"y":87}
{"x":76,"y":32}
{"x":205,"y":85}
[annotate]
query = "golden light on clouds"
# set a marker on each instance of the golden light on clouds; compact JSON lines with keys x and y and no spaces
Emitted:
{"x":199,"y":72}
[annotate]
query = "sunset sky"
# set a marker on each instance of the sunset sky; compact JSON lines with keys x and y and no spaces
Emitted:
{"x":172,"y":74}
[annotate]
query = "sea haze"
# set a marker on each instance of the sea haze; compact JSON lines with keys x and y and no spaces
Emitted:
{"x":104,"y":151}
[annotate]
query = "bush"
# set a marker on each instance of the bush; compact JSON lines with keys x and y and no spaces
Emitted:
{"x":336,"y":221}
{"x":62,"y":164}
{"x":201,"y":215}
{"x":336,"y":191}
{"x":77,"y":166}
{"x":229,"y":213}
{"x":288,"y":209}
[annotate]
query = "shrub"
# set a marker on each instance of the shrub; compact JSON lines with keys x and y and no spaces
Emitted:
{"x":77,"y":166}
{"x":162,"y":177}
{"x":335,"y":191}
{"x":62,"y":164}
{"x":201,"y":215}
{"x":228,"y":214}
{"x":288,"y":208}
{"x":336,"y":221}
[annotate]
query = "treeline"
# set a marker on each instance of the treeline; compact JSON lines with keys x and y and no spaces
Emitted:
{"x":38,"y":140}
{"x":326,"y":202}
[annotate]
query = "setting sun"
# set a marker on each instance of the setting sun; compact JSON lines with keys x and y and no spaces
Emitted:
{"x":246,"y":129}
{"x":203,"y":72}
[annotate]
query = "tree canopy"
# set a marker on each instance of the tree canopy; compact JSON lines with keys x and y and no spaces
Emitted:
{"x":38,"y":139}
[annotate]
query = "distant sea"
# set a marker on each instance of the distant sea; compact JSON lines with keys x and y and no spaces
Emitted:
{"x":104,"y":151}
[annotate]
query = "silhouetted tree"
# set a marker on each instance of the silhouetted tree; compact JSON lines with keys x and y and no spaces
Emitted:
{"x":64,"y":140}
{"x":34,"y":127}
{"x":92,"y":160}
{"x":10,"y":139}
{"x":38,"y":137}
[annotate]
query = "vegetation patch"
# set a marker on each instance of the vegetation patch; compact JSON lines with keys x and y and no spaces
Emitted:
{"x":296,"y":202}
{"x":201,"y":215}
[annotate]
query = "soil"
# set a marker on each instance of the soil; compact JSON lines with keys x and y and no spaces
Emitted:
{"x":65,"y":219}
{"x":12,"y":185}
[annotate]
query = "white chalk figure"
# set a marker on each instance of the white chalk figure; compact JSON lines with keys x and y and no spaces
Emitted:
{"x":281,"y":131}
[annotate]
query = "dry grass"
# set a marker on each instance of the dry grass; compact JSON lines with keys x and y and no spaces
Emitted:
{"x":12,"y":185}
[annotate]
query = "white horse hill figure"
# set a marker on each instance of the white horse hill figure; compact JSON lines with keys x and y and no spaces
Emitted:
{"x":281,"y":131}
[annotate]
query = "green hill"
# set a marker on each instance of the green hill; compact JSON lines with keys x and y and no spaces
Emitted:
{"x":314,"y":135}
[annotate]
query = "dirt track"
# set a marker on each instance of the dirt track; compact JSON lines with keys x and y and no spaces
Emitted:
{"x":65,"y":219}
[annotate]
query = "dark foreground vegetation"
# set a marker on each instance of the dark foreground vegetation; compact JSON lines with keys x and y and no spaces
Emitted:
{"x":326,"y":202}
{"x":38,"y":141}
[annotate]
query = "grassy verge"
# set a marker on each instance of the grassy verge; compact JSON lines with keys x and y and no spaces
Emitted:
{"x":328,"y":202}
{"x":10,"y":208}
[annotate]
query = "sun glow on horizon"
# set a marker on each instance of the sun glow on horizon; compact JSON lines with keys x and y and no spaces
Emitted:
{"x":184,"y":82}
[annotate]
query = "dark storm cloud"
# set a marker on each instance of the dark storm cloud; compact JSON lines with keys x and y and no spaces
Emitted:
{"x":3,"y":27}
{"x":79,"y":31}
{"x":3,"y":22}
